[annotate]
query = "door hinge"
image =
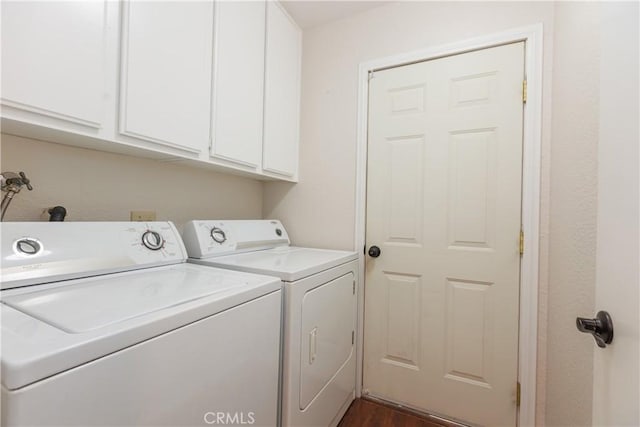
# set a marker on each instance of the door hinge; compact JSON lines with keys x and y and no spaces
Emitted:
{"x":354,"y":287}
{"x":518,"y":394}
{"x":353,"y":337}
{"x":521,"y":242}
{"x":524,"y":91}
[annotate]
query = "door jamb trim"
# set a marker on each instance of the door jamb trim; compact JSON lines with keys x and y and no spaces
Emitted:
{"x":531,"y":164}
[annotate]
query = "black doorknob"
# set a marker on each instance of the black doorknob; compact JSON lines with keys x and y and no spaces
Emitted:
{"x":374,"y":252}
{"x":601,"y":328}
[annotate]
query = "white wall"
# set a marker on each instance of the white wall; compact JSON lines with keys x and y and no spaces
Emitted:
{"x":572,"y":238}
{"x":99,"y":186}
{"x":616,"y":379}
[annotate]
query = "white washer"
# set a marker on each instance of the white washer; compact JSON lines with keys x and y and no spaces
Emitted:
{"x":319,"y":357}
{"x":105,"y":324}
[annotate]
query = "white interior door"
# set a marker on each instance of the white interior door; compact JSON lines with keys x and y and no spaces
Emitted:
{"x":444,"y":207}
{"x":616,"y":382}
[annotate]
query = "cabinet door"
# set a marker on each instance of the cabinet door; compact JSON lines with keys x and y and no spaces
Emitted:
{"x":166,"y":73}
{"x":239,"y":82}
{"x":282,"y":93}
{"x":53,"y":59}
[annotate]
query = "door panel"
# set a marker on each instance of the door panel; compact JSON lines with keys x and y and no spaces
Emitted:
{"x":471,"y":215}
{"x":469,"y":332}
{"x":405,"y":190}
{"x":402,"y":320}
{"x":444,"y":206}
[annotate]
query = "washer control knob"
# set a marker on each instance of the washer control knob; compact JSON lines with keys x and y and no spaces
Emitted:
{"x":28,"y":246}
{"x":278,"y":232}
{"x":152,"y":240}
{"x":218,"y":235}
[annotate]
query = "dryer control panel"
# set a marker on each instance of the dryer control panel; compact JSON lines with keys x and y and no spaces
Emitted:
{"x":43,"y":252}
{"x":209,"y":238}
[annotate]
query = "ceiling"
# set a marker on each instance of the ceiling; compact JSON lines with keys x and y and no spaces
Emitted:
{"x":309,"y":13}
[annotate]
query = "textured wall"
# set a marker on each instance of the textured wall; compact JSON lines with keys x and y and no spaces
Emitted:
{"x":616,"y":377}
{"x":572,"y":241}
{"x":98,"y":186}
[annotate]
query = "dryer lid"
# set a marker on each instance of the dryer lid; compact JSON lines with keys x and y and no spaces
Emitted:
{"x":290,"y":263}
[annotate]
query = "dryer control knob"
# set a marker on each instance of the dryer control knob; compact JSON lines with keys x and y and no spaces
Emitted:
{"x":152,"y":240}
{"x":218,"y":235}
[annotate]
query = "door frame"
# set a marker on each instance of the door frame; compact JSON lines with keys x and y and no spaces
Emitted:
{"x":532,"y":135}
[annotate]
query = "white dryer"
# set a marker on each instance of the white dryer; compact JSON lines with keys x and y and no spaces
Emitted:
{"x":319,"y":357}
{"x":105,"y":324}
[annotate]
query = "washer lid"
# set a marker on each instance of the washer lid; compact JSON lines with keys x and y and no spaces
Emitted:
{"x":106,"y":300}
{"x":47,"y":329}
{"x":290,"y":263}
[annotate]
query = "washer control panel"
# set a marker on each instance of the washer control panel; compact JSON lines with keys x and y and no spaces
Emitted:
{"x":207,"y":238}
{"x":42,"y":252}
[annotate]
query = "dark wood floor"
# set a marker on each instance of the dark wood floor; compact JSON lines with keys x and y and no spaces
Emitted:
{"x":363,"y":413}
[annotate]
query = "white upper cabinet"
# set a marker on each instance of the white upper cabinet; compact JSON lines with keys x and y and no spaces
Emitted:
{"x":53,"y":61}
{"x":165,"y":82}
{"x":282,"y":93}
{"x":238,"y":90}
{"x":208,"y":83}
